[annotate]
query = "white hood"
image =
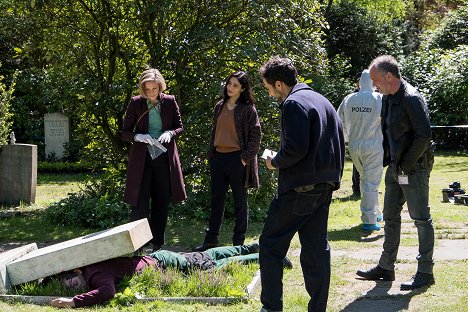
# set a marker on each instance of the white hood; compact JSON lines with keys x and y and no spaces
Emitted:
{"x":365,"y":83}
{"x":360,"y":113}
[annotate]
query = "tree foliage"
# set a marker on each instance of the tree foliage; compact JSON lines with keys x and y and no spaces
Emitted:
{"x":442,"y":76}
{"x":440,"y":69}
{"x":358,"y":35}
{"x":6,"y":95}
{"x":384,"y":9}
{"x":453,"y":31}
{"x":84,"y":58}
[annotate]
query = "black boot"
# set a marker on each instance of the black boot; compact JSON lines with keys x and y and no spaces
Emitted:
{"x":419,"y":280}
{"x":377,"y":273}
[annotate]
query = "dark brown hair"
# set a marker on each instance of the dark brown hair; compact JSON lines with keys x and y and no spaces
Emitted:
{"x":279,"y":69}
{"x":246,"y":96}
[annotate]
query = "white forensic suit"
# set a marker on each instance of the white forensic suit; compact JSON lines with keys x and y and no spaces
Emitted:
{"x":360,"y":114}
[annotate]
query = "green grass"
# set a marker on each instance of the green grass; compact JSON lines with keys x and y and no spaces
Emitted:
{"x":228,"y":281}
{"x":449,"y":293}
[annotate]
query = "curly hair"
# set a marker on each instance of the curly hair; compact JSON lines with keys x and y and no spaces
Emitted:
{"x":279,"y":69}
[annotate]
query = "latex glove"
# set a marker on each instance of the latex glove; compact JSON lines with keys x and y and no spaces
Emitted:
{"x":144,"y":138}
{"x":166,"y":137}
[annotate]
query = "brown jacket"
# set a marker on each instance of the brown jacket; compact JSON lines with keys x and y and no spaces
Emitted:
{"x":170,"y":117}
{"x":249,"y":133}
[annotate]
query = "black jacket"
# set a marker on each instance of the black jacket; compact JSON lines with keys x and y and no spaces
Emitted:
{"x":410,"y":127}
{"x":312,"y":141}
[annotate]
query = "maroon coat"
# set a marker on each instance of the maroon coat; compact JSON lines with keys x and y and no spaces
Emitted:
{"x":170,"y":117}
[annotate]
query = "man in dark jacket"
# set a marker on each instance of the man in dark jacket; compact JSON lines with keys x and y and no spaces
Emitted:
{"x":406,"y":141}
{"x":310,"y":163}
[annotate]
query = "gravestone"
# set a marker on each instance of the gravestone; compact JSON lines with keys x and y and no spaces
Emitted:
{"x":8,"y":257}
{"x":56,"y":133}
{"x":18,"y":173}
{"x":115,"y":242}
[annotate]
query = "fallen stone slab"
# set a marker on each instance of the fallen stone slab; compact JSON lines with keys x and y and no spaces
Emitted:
{"x":8,"y":257}
{"x":253,"y":284}
{"x":39,"y":300}
{"x":45,"y":300}
{"x":115,"y":242}
{"x":206,"y":300}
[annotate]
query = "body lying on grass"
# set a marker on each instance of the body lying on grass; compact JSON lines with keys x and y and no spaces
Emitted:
{"x":101,"y":278}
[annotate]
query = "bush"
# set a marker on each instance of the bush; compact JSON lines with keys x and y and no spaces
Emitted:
{"x":64,"y":167}
{"x":359,"y":35}
{"x":442,"y":77}
{"x":5,"y":114}
{"x":440,"y":70}
{"x":98,"y":205}
{"x":453,"y":31}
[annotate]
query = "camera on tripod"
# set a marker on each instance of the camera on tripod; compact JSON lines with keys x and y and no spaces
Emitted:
{"x":450,"y":194}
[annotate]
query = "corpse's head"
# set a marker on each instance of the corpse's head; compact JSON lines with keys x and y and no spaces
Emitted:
{"x":73,"y":279}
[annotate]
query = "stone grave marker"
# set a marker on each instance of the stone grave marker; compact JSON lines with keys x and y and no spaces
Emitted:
{"x":8,"y":257}
{"x":56,"y":133}
{"x":115,"y":242}
{"x":18,"y":173}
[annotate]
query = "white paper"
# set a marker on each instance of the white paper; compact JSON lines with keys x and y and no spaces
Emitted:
{"x":268,"y":153}
{"x":403,"y":179}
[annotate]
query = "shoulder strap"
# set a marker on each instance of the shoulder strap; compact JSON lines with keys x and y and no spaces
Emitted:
{"x":146,"y":112}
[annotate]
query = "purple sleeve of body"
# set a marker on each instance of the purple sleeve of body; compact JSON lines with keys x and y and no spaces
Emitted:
{"x":102,"y":278}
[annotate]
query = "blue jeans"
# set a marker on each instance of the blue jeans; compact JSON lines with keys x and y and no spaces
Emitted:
{"x":416,"y":196}
{"x":307,"y":214}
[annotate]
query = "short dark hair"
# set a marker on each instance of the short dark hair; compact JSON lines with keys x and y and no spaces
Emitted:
{"x":387,"y":64}
{"x":67,"y":275}
{"x":279,"y":69}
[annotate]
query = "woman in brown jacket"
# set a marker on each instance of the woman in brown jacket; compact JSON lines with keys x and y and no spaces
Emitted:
{"x":152,"y":123}
{"x":235,"y":141}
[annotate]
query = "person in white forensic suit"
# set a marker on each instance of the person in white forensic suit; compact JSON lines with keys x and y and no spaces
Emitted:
{"x":360,"y":114}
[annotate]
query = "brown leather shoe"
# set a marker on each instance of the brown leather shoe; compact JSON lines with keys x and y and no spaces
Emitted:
{"x":377,"y":273}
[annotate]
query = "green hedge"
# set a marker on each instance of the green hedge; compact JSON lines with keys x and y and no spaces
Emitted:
{"x":64,"y":167}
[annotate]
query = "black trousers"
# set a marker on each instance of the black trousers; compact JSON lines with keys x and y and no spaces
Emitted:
{"x":155,"y":185}
{"x":307,"y":214}
{"x":356,"y":182}
{"x":227,"y":170}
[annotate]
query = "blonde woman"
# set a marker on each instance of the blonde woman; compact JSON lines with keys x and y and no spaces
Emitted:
{"x":153,"y":119}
